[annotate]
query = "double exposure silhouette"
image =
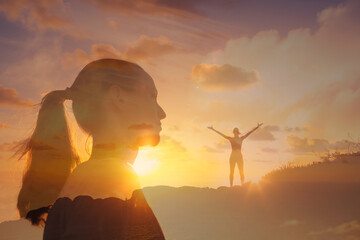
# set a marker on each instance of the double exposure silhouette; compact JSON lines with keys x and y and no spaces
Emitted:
{"x":115,"y":102}
{"x":236,"y":155}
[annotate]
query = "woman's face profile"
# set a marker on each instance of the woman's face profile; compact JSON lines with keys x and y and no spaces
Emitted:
{"x":138,"y":111}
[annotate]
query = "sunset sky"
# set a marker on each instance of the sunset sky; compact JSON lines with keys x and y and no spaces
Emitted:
{"x":293,"y":65}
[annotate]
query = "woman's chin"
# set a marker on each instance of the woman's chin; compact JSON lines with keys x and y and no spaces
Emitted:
{"x":152,"y":139}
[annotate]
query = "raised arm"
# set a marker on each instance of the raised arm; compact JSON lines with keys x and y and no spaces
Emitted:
{"x":211,"y":127}
{"x":258,"y":125}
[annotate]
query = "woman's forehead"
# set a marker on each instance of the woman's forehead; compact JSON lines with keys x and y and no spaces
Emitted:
{"x":147,"y":81}
{"x":138,"y":78}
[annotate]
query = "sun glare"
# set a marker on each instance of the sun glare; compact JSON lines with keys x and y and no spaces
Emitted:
{"x":143,"y":165}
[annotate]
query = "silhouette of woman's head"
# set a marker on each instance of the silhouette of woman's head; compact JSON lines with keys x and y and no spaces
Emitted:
{"x":236,"y":131}
{"x":113,"y":100}
{"x":116,"y":100}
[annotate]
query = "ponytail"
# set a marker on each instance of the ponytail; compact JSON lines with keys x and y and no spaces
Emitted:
{"x":50,"y":155}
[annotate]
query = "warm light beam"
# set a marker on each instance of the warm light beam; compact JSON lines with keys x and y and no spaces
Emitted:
{"x":143,"y":165}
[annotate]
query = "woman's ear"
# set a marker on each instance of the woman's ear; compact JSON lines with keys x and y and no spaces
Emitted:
{"x":116,"y":95}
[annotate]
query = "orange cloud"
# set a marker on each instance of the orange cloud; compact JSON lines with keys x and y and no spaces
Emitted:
{"x":105,"y":51}
{"x":144,"y":49}
{"x":218,"y":147}
{"x":344,"y":228}
{"x":309,"y":145}
{"x":336,"y":104}
{"x":80,"y":58}
{"x":272,"y":128}
{"x":174,"y":128}
{"x":171,"y":145}
{"x":39,"y":15}
{"x":211,"y":149}
{"x":269,"y":150}
{"x":215,"y":77}
{"x":264,"y":133}
{"x":304,"y":145}
{"x":3,"y":126}
{"x":114,"y":24}
{"x":297,"y":129}
{"x":10,"y":98}
{"x":179,"y":9}
{"x":11,"y":146}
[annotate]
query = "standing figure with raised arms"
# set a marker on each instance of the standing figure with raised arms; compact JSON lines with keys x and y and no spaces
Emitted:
{"x":236,"y":155}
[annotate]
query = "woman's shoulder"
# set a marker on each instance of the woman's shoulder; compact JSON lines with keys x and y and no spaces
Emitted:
{"x":112,"y":216}
{"x":88,"y":202}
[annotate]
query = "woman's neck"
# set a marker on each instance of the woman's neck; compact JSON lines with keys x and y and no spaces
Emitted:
{"x":113,"y":150}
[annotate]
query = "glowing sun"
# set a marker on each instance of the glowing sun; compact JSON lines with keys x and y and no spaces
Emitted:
{"x":144,"y":165}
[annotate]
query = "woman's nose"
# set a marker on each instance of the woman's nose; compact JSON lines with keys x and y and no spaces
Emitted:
{"x":161,"y":112}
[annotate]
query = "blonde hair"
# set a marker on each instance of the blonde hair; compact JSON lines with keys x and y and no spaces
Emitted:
{"x":50,"y":156}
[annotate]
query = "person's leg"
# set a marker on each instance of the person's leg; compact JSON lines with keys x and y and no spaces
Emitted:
{"x":240,"y":163}
{"x":232,"y":169}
